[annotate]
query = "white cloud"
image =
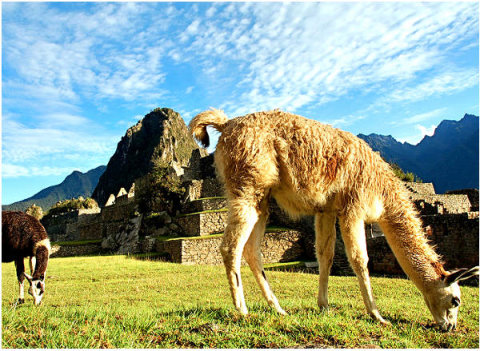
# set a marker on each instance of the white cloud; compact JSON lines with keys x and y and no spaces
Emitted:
{"x":64,"y":120}
{"x":426,"y":131}
{"x":15,"y":171}
{"x":248,"y":57}
{"x":44,"y":142}
{"x":446,"y":82}
{"x":418,"y":137}
{"x":312,"y":53}
{"x":69,"y":56}
{"x":308,"y":53}
{"x":210,"y":11}
{"x":422,"y":117}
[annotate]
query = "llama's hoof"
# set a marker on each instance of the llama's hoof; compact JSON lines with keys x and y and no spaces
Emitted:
{"x":242,"y":311}
{"x":375,"y":315}
{"x":384,"y":322}
{"x":20,"y":301}
{"x":323,"y":306}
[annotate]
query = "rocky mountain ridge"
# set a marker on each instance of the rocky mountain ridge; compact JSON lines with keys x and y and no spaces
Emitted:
{"x":449,"y":158}
{"x":74,"y":185}
{"x":161,"y":137}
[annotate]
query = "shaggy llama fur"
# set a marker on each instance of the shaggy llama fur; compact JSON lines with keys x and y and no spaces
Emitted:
{"x":314,"y":169}
{"x":24,"y":236}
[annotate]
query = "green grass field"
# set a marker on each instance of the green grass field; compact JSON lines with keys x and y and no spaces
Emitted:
{"x":121,"y":302}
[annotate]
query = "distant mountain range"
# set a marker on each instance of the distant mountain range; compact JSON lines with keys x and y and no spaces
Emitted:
{"x":449,"y":158}
{"x":75,"y":185}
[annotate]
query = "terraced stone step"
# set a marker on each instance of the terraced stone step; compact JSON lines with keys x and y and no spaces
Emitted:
{"x":76,"y":248}
{"x":279,"y":245}
{"x":203,"y":188}
{"x":202,"y":223}
{"x":205,"y":204}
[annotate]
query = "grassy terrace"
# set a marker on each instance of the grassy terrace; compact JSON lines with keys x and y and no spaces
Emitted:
{"x":203,"y":237}
{"x":202,"y":212}
{"x":77,"y":243}
{"x":210,"y":198}
{"x":115,"y":302}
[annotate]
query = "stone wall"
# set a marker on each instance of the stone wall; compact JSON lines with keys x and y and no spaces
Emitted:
{"x":455,"y":237}
{"x":472,"y":196}
{"x":196,"y":189}
{"x":205,"y":205}
{"x":117,"y":225}
{"x":76,"y":250}
{"x":82,"y":224}
{"x":441,"y":204}
{"x":282,"y":246}
{"x":203,"y":223}
{"x":420,"y":188}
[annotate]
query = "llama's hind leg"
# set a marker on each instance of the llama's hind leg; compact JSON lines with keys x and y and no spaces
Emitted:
{"x":241,"y":220}
{"x":253,"y":255}
{"x":325,"y":234}
{"x":20,"y":268}
{"x":353,"y":234}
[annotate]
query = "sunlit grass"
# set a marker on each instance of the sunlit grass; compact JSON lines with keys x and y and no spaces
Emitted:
{"x":120,"y":302}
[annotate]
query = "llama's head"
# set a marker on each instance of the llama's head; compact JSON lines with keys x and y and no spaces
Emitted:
{"x":444,"y":299}
{"x":37,"y":288}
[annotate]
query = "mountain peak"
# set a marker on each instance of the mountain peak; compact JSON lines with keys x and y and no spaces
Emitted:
{"x":449,"y":158}
{"x":161,"y":136}
{"x":74,"y":185}
{"x":468,"y":116}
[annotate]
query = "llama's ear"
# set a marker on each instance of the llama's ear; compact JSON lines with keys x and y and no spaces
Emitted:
{"x":461,"y":274}
{"x":29,"y":278}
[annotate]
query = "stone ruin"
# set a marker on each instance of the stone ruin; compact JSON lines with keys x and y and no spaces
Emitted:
{"x":193,"y":236}
{"x":194,"y":233}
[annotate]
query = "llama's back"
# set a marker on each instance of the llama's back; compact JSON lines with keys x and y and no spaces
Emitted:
{"x":305,"y":163}
{"x":20,"y":231}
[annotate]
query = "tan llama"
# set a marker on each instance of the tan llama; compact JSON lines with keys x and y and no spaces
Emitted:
{"x":314,"y":169}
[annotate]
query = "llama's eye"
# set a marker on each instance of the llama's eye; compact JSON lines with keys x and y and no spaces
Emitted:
{"x":455,"y":301}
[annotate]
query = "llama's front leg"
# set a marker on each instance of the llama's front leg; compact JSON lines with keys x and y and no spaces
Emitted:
{"x":253,"y":256}
{"x":241,"y":221}
{"x":325,"y":234}
{"x":32,"y":261}
{"x":20,"y":268}
{"x":353,"y":234}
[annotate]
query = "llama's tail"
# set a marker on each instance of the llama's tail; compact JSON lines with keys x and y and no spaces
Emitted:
{"x":198,"y":125}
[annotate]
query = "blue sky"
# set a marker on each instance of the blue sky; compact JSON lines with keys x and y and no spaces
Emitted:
{"x":75,"y":76}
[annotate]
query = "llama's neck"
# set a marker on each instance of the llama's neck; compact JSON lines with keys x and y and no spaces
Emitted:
{"x":42,"y":253}
{"x":407,"y":239}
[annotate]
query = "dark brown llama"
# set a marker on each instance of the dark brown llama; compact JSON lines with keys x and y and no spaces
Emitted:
{"x":24,"y":236}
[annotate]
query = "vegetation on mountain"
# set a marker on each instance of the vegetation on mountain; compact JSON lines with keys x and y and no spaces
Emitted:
{"x":73,"y":205}
{"x":35,"y":211}
{"x":159,"y":190}
{"x":406,"y":177}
